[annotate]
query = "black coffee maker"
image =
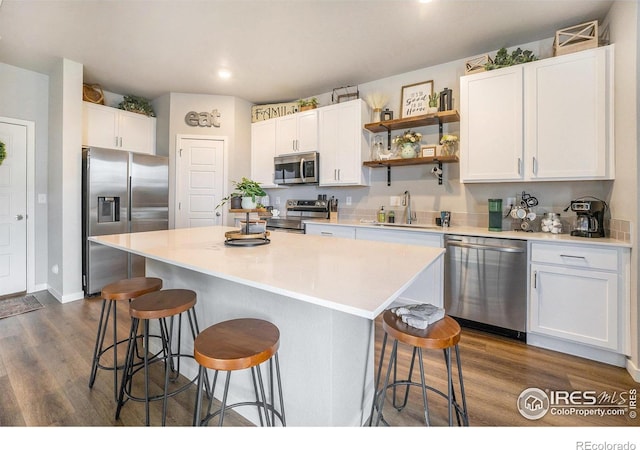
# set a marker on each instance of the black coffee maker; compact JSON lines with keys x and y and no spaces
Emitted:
{"x":590,"y":218}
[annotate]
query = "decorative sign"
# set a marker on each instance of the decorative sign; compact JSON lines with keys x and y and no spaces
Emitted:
{"x":203,"y":119}
{"x":265,"y":112}
{"x":415,"y":99}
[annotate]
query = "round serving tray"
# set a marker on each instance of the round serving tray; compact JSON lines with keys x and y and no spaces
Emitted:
{"x":240,"y":239}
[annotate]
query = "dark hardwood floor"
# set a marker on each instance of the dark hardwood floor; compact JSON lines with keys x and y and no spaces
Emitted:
{"x":45,"y":360}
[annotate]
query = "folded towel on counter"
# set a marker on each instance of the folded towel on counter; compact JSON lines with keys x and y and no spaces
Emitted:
{"x":419,"y":316}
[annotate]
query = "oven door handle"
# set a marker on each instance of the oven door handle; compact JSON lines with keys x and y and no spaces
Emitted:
{"x":485,"y":247}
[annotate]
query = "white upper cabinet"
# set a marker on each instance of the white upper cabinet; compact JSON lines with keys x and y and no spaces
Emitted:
{"x":547,"y":120}
{"x":108,"y":127}
{"x":297,"y":132}
{"x":263,"y":149}
{"x":343,"y":146}
{"x":491,"y":126}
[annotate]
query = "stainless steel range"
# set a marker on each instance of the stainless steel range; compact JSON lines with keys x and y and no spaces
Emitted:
{"x":297,"y":211}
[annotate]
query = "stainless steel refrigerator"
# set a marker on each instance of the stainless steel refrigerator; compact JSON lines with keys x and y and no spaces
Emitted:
{"x":122,"y":192}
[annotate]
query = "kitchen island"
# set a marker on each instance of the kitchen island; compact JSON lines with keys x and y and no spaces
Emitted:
{"x":322,"y":293}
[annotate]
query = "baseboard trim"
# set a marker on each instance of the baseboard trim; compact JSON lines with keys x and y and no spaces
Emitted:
{"x":633,"y":370}
{"x":65,"y":298}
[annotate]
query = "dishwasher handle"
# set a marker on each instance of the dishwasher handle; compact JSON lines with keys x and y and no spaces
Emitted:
{"x":485,"y":247}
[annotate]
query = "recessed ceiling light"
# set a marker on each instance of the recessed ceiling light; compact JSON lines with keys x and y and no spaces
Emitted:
{"x":224,"y":74}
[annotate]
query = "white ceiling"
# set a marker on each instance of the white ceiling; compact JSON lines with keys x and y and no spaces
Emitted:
{"x":276,"y":50}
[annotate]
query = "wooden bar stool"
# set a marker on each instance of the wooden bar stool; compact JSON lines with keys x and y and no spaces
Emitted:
{"x":235,"y":345}
{"x":112,"y":293}
{"x":164,"y":306}
{"x":443,"y":334}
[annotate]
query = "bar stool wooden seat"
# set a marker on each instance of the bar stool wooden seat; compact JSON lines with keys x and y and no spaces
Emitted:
{"x":235,"y":345}
{"x":112,"y":293}
{"x":441,"y":335}
{"x":164,"y":306}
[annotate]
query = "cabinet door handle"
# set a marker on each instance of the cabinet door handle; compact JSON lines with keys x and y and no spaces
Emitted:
{"x":120,"y":141}
{"x":326,"y":233}
{"x":535,"y":166}
{"x":535,"y":279}
{"x":116,"y":143}
{"x":519,"y":166}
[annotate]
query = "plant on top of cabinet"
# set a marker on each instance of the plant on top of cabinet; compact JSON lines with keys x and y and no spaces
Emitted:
{"x":504,"y":59}
{"x":137,"y":104}
{"x":3,"y":152}
{"x":311,"y":103}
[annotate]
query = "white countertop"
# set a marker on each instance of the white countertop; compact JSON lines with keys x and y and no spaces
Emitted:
{"x":356,"y":277}
{"x":477,"y":231}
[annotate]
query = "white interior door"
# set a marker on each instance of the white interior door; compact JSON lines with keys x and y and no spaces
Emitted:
{"x":200,"y":181}
{"x":13,"y":210}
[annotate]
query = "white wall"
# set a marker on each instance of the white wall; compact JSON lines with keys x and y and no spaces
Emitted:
{"x":453,"y":196}
{"x":65,"y":181}
{"x":623,"y":20}
{"x":25,"y":96}
{"x":235,"y":121}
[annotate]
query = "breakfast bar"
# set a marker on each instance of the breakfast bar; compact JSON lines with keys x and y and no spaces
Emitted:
{"x":323,"y":293}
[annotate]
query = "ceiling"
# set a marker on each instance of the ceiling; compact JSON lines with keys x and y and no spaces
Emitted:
{"x":276,"y":50}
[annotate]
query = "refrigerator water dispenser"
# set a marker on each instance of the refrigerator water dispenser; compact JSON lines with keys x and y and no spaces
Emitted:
{"x":108,"y":209}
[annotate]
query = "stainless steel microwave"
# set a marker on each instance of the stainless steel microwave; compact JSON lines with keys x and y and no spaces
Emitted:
{"x":296,"y":168}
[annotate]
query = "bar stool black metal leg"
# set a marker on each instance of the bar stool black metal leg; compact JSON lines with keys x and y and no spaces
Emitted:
{"x":408,"y":385}
{"x":423,"y":384}
{"x":465,"y":413}
{"x":97,"y":350}
{"x":378,"y":375}
{"x":392,"y":359}
{"x":224,"y":398}
{"x":128,"y":367}
{"x":264,"y":397}
{"x":255,"y":391}
{"x":196,"y":414}
{"x":284,"y":422}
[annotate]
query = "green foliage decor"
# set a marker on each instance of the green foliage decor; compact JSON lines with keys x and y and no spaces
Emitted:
{"x":244,"y":188}
{"x":3,"y":152}
{"x":137,"y":104}
{"x":504,"y":59}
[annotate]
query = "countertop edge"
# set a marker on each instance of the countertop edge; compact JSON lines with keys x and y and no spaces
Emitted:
{"x":483,"y":232}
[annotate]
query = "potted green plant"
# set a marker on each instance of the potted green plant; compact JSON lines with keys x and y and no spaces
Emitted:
{"x":311,"y":103}
{"x":248,"y":190}
{"x":3,"y":152}
{"x":433,"y":103}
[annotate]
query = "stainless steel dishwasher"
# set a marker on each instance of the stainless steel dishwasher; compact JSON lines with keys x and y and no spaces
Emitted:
{"x":486,"y":283}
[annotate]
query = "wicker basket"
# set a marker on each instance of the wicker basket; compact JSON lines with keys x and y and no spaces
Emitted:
{"x":93,"y":93}
{"x":576,"y":38}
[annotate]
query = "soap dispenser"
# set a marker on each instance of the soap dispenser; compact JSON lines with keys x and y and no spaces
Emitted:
{"x":381,"y":215}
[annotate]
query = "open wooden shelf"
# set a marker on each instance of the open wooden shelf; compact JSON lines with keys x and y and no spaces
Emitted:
{"x":414,"y":122}
{"x":412,"y":161}
{"x":439,"y":160}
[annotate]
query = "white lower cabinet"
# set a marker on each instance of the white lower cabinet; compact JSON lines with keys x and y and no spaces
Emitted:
{"x":322,"y":229}
{"x":578,"y":295}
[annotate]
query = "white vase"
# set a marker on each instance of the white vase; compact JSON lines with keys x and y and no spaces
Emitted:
{"x":408,"y":150}
{"x":248,"y":203}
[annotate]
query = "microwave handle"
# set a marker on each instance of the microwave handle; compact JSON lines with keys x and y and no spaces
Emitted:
{"x":302,"y":170}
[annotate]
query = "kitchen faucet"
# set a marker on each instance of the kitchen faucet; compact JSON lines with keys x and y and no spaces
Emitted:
{"x":406,"y":201}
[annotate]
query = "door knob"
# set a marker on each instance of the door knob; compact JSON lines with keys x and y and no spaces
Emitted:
{"x":218,"y":214}
{"x":19,"y":217}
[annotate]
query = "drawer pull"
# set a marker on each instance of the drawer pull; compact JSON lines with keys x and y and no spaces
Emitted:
{"x":572,"y":256}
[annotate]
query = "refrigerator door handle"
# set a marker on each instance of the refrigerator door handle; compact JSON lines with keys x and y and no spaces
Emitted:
{"x":130,"y":199}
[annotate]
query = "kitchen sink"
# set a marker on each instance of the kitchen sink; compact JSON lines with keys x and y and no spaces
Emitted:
{"x":406,"y":225}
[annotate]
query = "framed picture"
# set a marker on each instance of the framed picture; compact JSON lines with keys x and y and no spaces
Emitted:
{"x":427,"y":151}
{"x":414,"y":99}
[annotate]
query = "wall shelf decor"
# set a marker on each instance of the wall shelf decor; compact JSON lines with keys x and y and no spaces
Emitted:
{"x":438,"y":119}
